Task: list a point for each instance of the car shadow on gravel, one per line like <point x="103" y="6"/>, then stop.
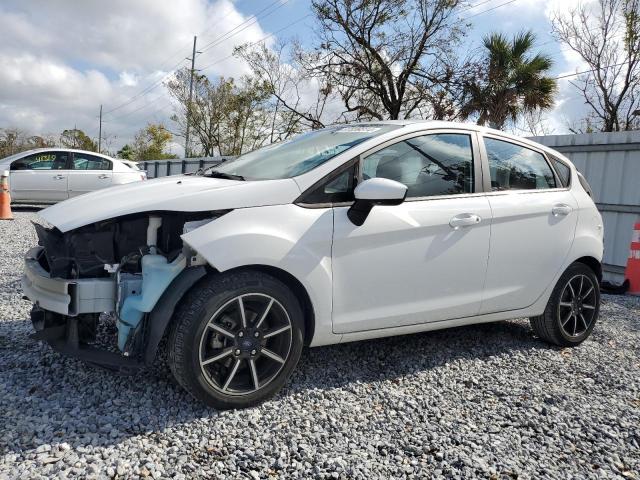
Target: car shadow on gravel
<point x="27" y="208"/>
<point x="395" y="357"/>
<point x="46" y="398"/>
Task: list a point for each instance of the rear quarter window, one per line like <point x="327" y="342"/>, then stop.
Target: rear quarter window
<point x="131" y="165"/>
<point x="562" y="169"/>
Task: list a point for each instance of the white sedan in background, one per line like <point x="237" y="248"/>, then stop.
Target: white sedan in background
<point x="50" y="175"/>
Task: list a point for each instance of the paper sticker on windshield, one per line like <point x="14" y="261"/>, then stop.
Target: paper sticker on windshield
<point x="354" y="129"/>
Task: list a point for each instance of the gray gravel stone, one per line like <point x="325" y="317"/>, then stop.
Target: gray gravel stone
<point x="487" y="401"/>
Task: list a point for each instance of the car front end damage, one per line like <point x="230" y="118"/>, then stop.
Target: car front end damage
<point x="135" y="268"/>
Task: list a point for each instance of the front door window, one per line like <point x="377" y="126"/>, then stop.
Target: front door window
<point x="42" y="161"/>
<point x="429" y="165"/>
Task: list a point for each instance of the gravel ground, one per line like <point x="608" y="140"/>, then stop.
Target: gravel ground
<point x="487" y="401"/>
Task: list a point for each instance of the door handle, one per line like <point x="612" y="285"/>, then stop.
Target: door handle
<point x="103" y="176"/>
<point x="58" y="177"/>
<point x="464" y="220"/>
<point x="561" y="209"/>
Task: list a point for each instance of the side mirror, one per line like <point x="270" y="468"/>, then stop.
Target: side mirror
<point x="375" y="191"/>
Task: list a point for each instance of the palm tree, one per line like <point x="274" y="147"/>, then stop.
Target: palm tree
<point x="510" y="82"/>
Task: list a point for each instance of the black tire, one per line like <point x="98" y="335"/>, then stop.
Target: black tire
<point x="568" y="321"/>
<point x="209" y="307"/>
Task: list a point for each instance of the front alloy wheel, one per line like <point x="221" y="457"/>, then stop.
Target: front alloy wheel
<point x="245" y="344"/>
<point x="236" y="339"/>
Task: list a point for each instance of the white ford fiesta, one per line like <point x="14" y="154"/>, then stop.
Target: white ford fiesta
<point x="50" y="175"/>
<point x="346" y="233"/>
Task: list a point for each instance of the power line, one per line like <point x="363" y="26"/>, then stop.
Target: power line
<point x="471" y="7"/>
<point x="217" y="41"/>
<point x="490" y="9"/>
<point x="167" y="104"/>
<point x="258" y="41"/>
<point x="158" y="109"/>
<point x="142" y="107"/>
<point x="145" y="90"/>
<point x="590" y="71"/>
<point x="159" y="97"/>
<point x="245" y="24"/>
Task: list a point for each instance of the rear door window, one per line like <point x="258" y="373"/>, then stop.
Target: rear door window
<point x="514" y="167"/>
<point x="83" y="161"/>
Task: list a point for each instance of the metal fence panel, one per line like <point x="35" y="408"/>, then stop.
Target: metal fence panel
<point x="163" y="168"/>
<point x="611" y="164"/>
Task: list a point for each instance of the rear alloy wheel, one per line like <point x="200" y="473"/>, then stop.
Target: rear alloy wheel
<point x="236" y="339"/>
<point x="577" y="306"/>
<point x="572" y="310"/>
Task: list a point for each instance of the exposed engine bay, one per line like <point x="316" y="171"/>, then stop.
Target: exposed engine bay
<point x="125" y="264"/>
<point x="84" y="252"/>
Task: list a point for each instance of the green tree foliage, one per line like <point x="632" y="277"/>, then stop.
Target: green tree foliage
<point x="151" y="142"/>
<point x="75" y="138"/>
<point x="226" y="118"/>
<point x="126" y="152"/>
<point x="511" y="81"/>
<point x="14" y="140"/>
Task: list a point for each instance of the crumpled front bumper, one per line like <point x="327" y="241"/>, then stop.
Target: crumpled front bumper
<point x="62" y="307"/>
<point x="69" y="297"/>
<point x="59" y="308"/>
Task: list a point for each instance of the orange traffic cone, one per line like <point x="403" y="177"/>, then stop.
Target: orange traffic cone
<point x="632" y="273"/>
<point x="5" y="198"/>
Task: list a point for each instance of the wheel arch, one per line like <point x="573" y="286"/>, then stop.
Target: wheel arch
<point x="593" y="263"/>
<point x="296" y="287"/>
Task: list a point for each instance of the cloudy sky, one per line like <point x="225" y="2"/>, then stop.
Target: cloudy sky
<point x="59" y="60"/>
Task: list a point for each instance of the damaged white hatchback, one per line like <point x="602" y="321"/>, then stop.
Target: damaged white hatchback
<point x="346" y="233"/>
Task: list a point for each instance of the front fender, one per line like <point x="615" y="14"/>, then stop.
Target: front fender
<point x="291" y="238"/>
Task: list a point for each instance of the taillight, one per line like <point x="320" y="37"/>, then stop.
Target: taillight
<point x="143" y="176"/>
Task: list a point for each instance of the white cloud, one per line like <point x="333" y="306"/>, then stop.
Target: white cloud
<point x="61" y="60"/>
<point x="128" y="79"/>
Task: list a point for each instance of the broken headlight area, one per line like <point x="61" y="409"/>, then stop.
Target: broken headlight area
<point x="121" y="266"/>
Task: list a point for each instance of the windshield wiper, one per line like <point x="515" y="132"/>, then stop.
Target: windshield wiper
<point x="204" y="170"/>
<point x="228" y="176"/>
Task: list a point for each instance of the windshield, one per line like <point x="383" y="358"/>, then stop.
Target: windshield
<point x="300" y="154"/>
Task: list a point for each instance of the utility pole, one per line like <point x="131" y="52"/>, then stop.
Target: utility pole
<point x="100" y="132"/>
<point x="193" y="69"/>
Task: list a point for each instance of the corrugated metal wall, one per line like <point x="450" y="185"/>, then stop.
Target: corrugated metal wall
<point x="611" y="164"/>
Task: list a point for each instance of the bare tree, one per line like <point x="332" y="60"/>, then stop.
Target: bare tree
<point x="387" y="58"/>
<point x="297" y="102"/>
<point x="534" y="123"/>
<point x="607" y="38"/>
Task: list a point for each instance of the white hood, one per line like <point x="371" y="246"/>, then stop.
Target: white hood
<point x="183" y="193"/>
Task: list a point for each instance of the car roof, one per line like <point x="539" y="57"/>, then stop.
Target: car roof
<point x="55" y="149"/>
<point x="417" y="125"/>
